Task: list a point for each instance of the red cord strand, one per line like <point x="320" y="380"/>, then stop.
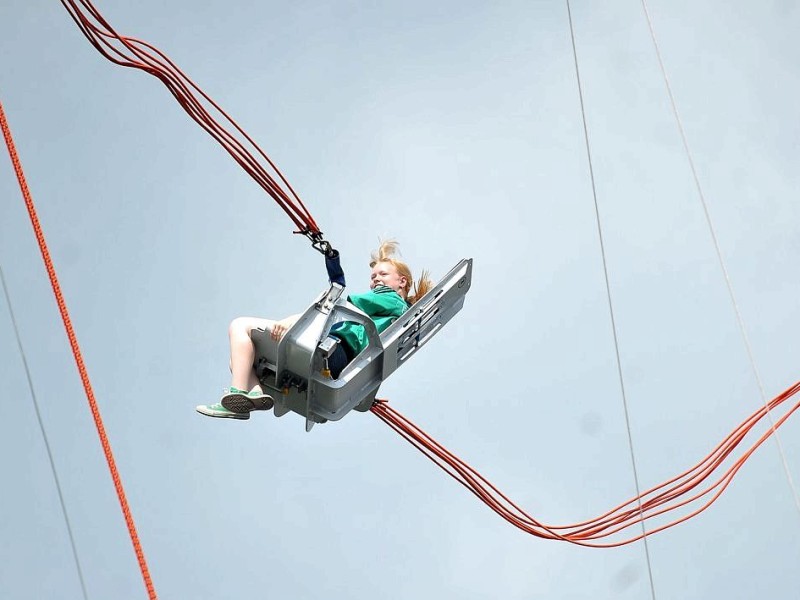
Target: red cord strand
<point x="76" y="352"/>
<point x="679" y="492"/>
<point x="130" y="52"/>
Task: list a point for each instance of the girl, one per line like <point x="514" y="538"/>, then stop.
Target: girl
<point x="389" y="297"/>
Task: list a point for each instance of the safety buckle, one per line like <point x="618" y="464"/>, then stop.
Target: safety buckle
<point x="318" y="243"/>
<point x="322" y="246"/>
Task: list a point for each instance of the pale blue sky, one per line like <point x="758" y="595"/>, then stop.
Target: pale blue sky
<point x="454" y="127"/>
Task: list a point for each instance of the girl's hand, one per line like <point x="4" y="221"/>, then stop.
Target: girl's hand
<point x="278" y="331"/>
<point x="281" y="327"/>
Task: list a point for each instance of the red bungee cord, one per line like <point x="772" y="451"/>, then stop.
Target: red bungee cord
<point x="76" y="352"/>
<point x="678" y="492"/>
<point x="137" y="54"/>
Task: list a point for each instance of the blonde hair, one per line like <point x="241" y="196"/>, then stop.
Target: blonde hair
<point x="387" y="252"/>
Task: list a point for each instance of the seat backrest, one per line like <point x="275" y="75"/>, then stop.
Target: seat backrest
<point x="426" y="317"/>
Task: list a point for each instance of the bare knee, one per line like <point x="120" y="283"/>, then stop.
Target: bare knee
<point x="239" y="327"/>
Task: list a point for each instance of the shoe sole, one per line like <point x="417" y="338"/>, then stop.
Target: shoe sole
<point x="211" y="413"/>
<point x="243" y="404"/>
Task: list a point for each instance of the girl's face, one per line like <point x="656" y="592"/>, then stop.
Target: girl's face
<point x="385" y="273"/>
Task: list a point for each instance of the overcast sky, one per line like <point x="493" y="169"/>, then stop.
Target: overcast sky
<point x="456" y="128"/>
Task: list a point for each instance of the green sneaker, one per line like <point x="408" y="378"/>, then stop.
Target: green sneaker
<point x="219" y="411"/>
<point x="241" y="402"/>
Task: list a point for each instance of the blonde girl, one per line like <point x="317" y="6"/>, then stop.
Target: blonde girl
<point x="392" y="289"/>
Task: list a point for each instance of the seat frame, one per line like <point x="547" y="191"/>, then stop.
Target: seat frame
<point x="299" y="381"/>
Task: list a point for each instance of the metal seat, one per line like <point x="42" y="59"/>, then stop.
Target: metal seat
<point x="300" y="382"/>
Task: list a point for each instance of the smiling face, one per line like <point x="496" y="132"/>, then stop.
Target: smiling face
<point x="385" y="273"/>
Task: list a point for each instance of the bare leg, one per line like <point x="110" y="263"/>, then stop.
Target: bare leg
<point x="238" y="405"/>
<point x="243" y="375"/>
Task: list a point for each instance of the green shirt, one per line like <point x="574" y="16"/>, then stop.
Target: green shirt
<point x="383" y="305"/>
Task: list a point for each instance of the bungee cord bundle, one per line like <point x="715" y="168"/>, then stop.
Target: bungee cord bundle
<point x="130" y="52"/>
<point x="682" y="491"/>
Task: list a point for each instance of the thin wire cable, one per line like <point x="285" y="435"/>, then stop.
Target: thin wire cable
<point x="610" y="302"/>
<point x="76" y="353"/>
<point x="717" y="248"/>
<point x="44" y="435"/>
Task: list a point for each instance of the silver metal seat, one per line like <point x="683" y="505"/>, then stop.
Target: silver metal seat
<point x="300" y="383"/>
